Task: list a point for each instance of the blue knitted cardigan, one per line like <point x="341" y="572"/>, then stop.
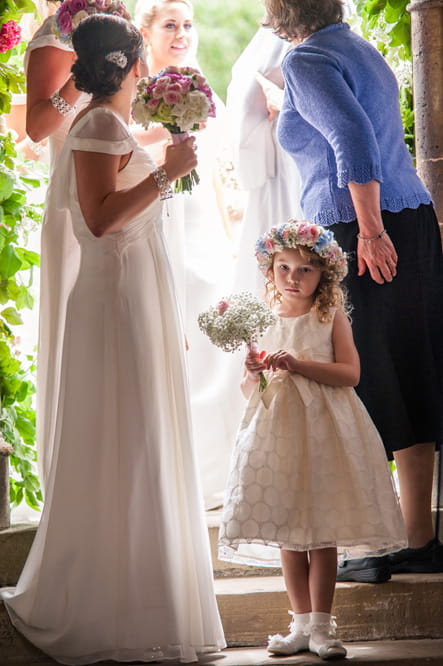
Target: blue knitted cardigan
<point x="341" y="122"/>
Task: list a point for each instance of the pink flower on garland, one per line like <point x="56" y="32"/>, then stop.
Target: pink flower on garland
<point x="10" y="36"/>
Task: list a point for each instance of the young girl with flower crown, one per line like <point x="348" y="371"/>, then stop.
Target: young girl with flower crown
<point x="309" y="473"/>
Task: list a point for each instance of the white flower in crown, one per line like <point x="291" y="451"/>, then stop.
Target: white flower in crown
<point x="118" y="58"/>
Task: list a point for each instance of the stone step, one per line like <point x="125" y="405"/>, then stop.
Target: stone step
<point x="407" y="607"/>
<point x="423" y="652"/>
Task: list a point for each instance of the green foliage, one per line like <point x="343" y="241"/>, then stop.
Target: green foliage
<point x="225" y="27"/>
<point x="17" y="263"/>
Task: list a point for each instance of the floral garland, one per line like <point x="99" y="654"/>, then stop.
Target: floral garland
<point x="71" y="12"/>
<point x="294" y="234"/>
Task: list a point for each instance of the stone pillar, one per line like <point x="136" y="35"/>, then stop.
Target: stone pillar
<point x="427" y="62"/>
<point x="5" y="515"/>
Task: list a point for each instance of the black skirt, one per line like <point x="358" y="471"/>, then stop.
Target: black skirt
<point x="398" y="330"/>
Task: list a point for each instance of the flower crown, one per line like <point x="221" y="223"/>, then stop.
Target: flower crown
<point x="294" y="234"/>
<point x="72" y="12"/>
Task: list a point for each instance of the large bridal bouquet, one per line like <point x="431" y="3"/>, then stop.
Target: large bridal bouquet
<point x="180" y="99"/>
<point x="71" y="12"/>
<point x="239" y="319"/>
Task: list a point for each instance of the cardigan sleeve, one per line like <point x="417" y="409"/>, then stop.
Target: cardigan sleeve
<point x="317" y="89"/>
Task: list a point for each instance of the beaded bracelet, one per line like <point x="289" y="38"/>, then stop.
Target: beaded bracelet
<point x="61" y="105"/>
<point x="374" y="238"/>
<point x="162" y="181"/>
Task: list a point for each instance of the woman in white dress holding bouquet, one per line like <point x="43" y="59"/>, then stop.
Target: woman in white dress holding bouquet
<point x="120" y="566"/>
<point x="193" y="226"/>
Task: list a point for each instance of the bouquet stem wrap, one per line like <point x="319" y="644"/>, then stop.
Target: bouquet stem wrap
<point x="253" y="347"/>
<point x="185" y="183"/>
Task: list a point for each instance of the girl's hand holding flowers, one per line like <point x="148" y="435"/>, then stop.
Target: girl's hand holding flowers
<point x="180" y="99"/>
<point x="281" y="360"/>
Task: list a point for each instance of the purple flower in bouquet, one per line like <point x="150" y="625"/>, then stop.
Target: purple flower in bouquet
<point x="10" y="35"/>
<point x="180" y="99"/>
<point x="71" y="12"/>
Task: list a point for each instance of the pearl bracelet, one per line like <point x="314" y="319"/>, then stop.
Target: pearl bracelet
<point x="162" y="181"/>
<point x="374" y="238"/>
<point x="61" y="105"/>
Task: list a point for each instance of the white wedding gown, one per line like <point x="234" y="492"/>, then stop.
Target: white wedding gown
<point x="120" y="566"/>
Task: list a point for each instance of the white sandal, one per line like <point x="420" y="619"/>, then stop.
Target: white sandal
<point x="322" y="639"/>
<point x="296" y="641"/>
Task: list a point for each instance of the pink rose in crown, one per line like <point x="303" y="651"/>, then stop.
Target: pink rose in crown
<point x="222" y="306"/>
<point x="78" y="6"/>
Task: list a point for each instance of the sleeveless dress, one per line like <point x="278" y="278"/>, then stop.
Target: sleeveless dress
<point x="120" y="566"/>
<point x="60" y="258"/>
<point x="309" y="469"/>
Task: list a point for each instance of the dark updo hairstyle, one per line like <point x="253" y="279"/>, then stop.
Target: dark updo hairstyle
<point x="297" y="19"/>
<point x="93" y="39"/>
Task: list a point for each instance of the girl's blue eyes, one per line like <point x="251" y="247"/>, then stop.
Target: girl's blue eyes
<point x="303" y="269"/>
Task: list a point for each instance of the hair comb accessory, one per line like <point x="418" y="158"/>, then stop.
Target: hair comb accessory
<point x="294" y="234"/>
<point x="118" y="58"/>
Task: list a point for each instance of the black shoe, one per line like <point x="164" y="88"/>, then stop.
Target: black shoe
<point x="427" y="559"/>
<point x="366" y="570"/>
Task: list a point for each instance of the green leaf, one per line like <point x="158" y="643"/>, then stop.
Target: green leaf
<point x="7" y="182"/>
<point x="10" y="262"/>
<point x="12" y="316"/>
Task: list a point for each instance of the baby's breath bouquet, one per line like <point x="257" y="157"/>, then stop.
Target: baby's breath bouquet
<point x="239" y="319"/>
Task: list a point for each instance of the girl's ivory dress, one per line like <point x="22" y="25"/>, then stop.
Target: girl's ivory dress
<point x="309" y="469"/>
<point x="120" y="566"/>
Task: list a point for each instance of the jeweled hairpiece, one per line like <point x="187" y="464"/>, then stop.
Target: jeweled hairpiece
<point x="294" y="234"/>
<point x="118" y="58"/>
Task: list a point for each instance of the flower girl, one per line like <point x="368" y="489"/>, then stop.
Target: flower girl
<point x="309" y="473"/>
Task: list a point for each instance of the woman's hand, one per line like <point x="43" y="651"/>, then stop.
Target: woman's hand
<point x="280" y="360"/>
<point x="376" y="253"/>
<point x="180" y="158"/>
<point x="273" y="94"/>
<point x="379" y="257"/>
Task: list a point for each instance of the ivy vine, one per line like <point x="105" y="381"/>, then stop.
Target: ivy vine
<point x="17" y="265"/>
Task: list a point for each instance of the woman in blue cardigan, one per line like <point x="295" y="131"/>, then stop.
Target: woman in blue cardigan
<point x="341" y="123"/>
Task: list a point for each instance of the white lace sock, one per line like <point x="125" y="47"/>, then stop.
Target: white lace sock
<point x="322" y="639"/>
<point x="298" y="638"/>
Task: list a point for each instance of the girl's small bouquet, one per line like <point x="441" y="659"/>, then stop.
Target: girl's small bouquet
<point x="180" y="99"/>
<point x="71" y="12"/>
<point x="239" y="319"/>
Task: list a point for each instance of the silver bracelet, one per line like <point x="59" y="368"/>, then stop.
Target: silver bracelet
<point x="61" y="105"/>
<point x="162" y="181"/>
<point x="374" y="238"/>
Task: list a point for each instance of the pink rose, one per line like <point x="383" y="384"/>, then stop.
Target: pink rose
<point x="78" y="6"/>
<point x="222" y="306"/>
<point x="172" y="97"/>
<point x="64" y="20"/>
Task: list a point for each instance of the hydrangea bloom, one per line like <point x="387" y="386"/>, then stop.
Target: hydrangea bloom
<point x="10" y="36"/>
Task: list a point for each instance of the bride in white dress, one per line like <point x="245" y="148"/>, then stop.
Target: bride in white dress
<point x="120" y="567"/>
